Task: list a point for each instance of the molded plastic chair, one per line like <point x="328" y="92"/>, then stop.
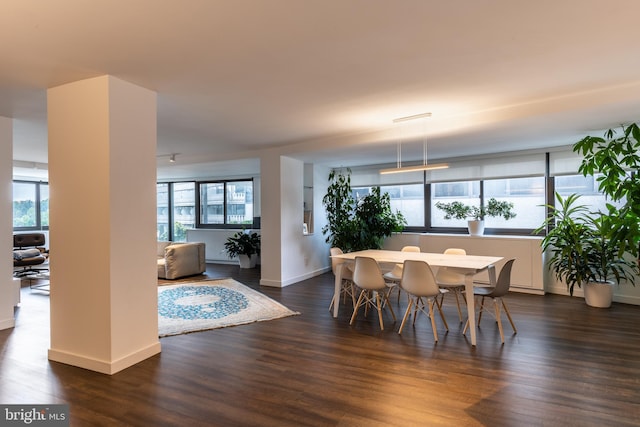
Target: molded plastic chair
<point x="451" y="281"/>
<point x="347" y="287"/>
<point x="374" y="291"/>
<point x="496" y="294"/>
<point x="419" y="283"/>
<point x="395" y="275"/>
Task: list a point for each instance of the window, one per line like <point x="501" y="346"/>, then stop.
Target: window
<point x="184" y="202"/>
<point x="467" y="192"/>
<point x="163" y="230"/>
<point x="225" y="203"/>
<point x="405" y="198"/>
<point x="30" y="205"/>
<point x="587" y="188"/>
<point x="527" y="196"/>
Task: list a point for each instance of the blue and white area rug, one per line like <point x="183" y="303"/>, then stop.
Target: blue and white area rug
<point x="198" y="306"/>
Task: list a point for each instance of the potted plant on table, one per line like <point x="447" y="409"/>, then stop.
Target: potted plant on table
<point x="475" y="214"/>
<point x="582" y="250"/>
<point x="244" y="245"/>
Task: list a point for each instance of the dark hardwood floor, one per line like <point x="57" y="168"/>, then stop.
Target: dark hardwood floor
<point x="569" y="365"/>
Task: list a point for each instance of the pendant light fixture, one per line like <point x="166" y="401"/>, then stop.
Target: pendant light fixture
<point x="424" y="166"/>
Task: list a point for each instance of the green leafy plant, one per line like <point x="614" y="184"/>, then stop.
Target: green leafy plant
<point x="494" y="208"/>
<point x="581" y="246"/>
<point x="357" y="224"/>
<point x="242" y="243"/>
<point x="617" y="159"/>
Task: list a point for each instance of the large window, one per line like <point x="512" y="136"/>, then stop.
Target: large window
<point x="407" y="199"/>
<point x="175" y="210"/>
<point x="30" y="205"/>
<point x="527" y="196"/>
<point x="184" y="207"/>
<point x="587" y="188"/>
<point x="467" y="192"/>
<point x="163" y="229"/>
<point x="225" y="203"/>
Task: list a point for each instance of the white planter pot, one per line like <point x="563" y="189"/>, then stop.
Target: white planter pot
<point x="598" y="294"/>
<point x="247" y="261"/>
<point x="476" y="227"/>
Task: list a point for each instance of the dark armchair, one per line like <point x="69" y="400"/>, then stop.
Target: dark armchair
<point x="28" y="252"/>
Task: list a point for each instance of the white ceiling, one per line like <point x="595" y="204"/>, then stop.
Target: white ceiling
<point x="322" y="80"/>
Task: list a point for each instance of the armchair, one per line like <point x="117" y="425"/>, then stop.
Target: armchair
<point x="177" y="260"/>
<point x="28" y="251"/>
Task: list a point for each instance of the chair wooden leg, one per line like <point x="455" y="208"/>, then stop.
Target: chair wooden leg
<point x="355" y="309"/>
<point x="435" y="302"/>
<point x="433" y="321"/>
<point x="506" y="310"/>
<point x="480" y="313"/>
<point x="496" y="306"/>
<point x="455" y="293"/>
<point x="379" y="307"/>
<point x="416" y="309"/>
<point x="406" y="315"/>
<point x="388" y="304"/>
<point x="466" y="326"/>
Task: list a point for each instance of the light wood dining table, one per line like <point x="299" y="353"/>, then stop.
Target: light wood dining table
<point x="468" y="265"/>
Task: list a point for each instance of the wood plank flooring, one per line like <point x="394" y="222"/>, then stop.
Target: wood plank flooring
<point x="569" y="365"/>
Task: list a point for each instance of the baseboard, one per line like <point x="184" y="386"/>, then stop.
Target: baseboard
<point x="104" y="366"/>
<point x="291" y="281"/>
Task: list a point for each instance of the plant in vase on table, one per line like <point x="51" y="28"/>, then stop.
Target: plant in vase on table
<point x="475" y="214"/>
<point x="246" y="246"/>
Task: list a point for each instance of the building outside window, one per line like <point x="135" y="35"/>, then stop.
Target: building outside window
<point x="226" y="203"/>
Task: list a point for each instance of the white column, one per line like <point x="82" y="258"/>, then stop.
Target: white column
<point x="102" y="177"/>
<point x="6" y="224"/>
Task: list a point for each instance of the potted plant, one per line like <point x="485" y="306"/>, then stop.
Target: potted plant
<point x="581" y="249"/>
<point x="614" y="157"/>
<point x="244" y="245"/>
<point x="475" y="214"/>
<point x="357" y="224"/>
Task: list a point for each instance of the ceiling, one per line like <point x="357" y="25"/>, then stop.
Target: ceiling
<point x="322" y="80"/>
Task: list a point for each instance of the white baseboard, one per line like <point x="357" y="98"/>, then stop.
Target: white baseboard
<point x="104" y="366"/>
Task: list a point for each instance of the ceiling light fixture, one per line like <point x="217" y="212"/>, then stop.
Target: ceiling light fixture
<point x="172" y="158"/>
<point x="423" y="167"/>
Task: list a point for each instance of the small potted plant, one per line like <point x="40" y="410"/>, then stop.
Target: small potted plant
<point x="244" y="245"/>
<point x="476" y="214"/>
<point x="581" y="250"/>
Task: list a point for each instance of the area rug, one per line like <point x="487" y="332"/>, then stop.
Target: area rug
<point x="212" y="304"/>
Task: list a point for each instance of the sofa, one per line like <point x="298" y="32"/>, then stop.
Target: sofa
<point x="180" y="259"/>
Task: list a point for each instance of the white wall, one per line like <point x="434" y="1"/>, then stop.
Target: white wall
<point x="6" y="224"/>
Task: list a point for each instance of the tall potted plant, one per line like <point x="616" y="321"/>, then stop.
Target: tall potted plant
<point x="475" y="214"/>
<point x="245" y="246"/>
<point x="357" y="224"/>
<point x="616" y="157"/>
<point x="582" y="249"/>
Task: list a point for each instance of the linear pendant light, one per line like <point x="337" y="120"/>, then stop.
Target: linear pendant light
<point x="423" y="167"/>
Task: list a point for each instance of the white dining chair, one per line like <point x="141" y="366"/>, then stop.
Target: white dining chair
<point x="346" y="287"/>
<point x="496" y="294"/>
<point x="452" y="282"/>
<point x="374" y="291"/>
<point x="394" y="276"/>
<point x="420" y="285"/>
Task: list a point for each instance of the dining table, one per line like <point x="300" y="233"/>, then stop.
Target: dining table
<point x="467" y="265"/>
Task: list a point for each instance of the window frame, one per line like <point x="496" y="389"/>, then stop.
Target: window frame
<point x="225" y="225"/>
<point x="37" y="206"/>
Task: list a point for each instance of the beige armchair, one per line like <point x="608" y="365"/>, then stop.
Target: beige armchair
<point x="177" y="260"/>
